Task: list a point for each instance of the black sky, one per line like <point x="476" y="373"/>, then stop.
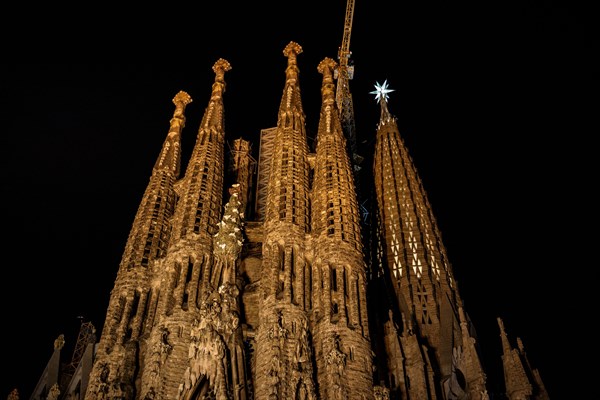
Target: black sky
<point x="488" y="100"/>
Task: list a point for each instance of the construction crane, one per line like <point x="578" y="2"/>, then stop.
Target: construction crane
<point x="344" y="73"/>
<point x="87" y="335"/>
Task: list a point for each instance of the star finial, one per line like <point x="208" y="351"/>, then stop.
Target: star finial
<point x="381" y="91"/>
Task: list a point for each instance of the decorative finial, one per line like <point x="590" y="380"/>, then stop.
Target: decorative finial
<point x="292" y="50"/>
<point x="381" y="91"/>
<point x="59" y="342"/>
<point x="326" y="67"/>
<point x="220" y="67"/>
<point x="181" y="100"/>
<point x="14" y="395"/>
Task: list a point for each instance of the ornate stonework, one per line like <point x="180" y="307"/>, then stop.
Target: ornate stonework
<point x="210" y="305"/>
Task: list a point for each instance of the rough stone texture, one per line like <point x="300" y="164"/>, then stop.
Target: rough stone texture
<point x="209" y="304"/>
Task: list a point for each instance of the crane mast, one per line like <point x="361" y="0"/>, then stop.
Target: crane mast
<point x="344" y="73"/>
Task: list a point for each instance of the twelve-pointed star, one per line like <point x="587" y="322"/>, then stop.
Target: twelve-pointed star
<point x="381" y="91"/>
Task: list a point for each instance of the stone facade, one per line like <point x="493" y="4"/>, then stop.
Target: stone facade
<point x="209" y="304"/>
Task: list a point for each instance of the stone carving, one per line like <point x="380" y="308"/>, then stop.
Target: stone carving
<point x="302" y="353"/>
<point x="336" y="356"/>
<point x="207" y="354"/>
<point x="307" y="218"/>
<point x="278" y="331"/>
<point x="336" y="362"/>
<point x="274" y="370"/>
<point x="454" y="385"/>
<point x="229" y="239"/>
<point x="54" y="392"/>
<point x="99" y="384"/>
<point x="161" y="349"/>
<point x="381" y="393"/>
<point x="150" y="394"/>
<point x="59" y="342"/>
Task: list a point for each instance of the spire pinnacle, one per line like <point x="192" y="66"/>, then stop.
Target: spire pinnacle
<point x="181" y="100"/>
<point x="381" y="94"/>
<point x="381" y="91"/>
<point x="326" y="67"/>
<point x="220" y="67"/>
<point x="291" y="51"/>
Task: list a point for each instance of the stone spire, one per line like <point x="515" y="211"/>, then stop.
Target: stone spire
<point x="287" y="198"/>
<point x="340" y="304"/>
<point x="412" y="252"/>
<point x="518" y="372"/>
<point x="112" y="373"/>
<point x="183" y="279"/>
<point x="150" y="227"/>
<point x="201" y="191"/>
<point x="283" y="360"/>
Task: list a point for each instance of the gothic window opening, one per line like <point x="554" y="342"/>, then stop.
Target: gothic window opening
<point x="281" y="258"/>
<point x="292" y="274"/>
<point x="282" y="202"/>
<point x="131" y="317"/>
<point x="186" y="289"/>
<point x="294" y="203"/>
<point x="198" y="219"/>
<point x="334" y="312"/>
<point x="309" y="283"/>
<point x="333" y="280"/>
<point x="201" y="270"/>
<point x="176" y="275"/>
<point x="358" y="301"/>
<point x="330" y="218"/>
<point x="146" y="310"/>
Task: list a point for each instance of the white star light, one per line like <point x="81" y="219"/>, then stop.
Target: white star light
<point x="381" y="91"/>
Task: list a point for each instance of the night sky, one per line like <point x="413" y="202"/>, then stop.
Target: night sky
<point x="489" y="101"/>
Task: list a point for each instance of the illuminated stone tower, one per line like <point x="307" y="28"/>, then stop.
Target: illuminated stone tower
<point x="130" y="312"/>
<point x="341" y="333"/>
<point x="187" y="276"/>
<point x="211" y="304"/>
<point x="283" y="363"/>
<point x="426" y="340"/>
<point x="167" y="271"/>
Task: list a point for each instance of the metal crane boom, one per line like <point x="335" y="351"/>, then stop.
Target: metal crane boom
<point x="345" y="72"/>
<point x="344" y="51"/>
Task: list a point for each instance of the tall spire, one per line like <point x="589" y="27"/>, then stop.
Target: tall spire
<point x="335" y="209"/>
<point x="283" y="362"/>
<point x="414" y="250"/>
<point x="200" y="201"/>
<point x="288" y="190"/>
<point x="520" y="380"/>
<point x="186" y="277"/>
<point x="147" y="243"/>
<point x="146" y="239"/>
<point x="340" y="304"/>
<point x="412" y="253"/>
<point x="515" y="377"/>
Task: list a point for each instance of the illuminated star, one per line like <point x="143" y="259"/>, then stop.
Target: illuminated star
<point x="381" y="91"/>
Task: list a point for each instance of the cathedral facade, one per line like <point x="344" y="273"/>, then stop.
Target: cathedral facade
<point x="292" y="303"/>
